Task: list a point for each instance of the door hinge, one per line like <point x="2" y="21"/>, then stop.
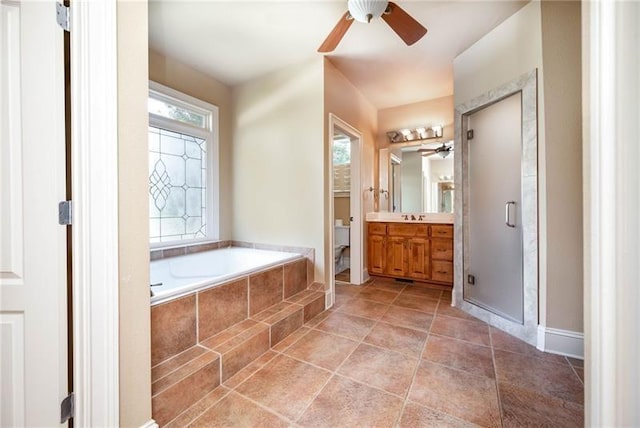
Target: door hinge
<point x="65" y="213"/>
<point x="63" y="16"/>
<point x="471" y="279"/>
<point x="470" y="134"/>
<point x="67" y="408"/>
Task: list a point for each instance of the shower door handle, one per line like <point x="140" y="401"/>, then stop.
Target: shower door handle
<point x="507" y="214"/>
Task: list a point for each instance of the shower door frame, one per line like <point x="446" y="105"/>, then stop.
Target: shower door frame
<point x="527" y="84"/>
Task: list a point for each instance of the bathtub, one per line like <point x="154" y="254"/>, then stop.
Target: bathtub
<point x="183" y="275"/>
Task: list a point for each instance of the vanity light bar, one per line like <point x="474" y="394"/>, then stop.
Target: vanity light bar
<point x="416" y="134"/>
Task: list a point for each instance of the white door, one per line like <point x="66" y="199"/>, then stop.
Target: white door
<point x="495" y="210"/>
<point x="33" y="320"/>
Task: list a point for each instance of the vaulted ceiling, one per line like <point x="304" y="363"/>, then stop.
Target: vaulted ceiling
<point x="235" y="41"/>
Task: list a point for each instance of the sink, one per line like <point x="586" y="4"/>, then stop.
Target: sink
<point x="399" y="217"/>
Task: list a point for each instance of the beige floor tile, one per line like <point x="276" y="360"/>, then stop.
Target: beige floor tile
<point x="419" y="303"/>
<point x="322" y="349"/>
<point x="387" y="284"/>
<point x="199" y="408"/>
<point x="409" y="318"/>
<point x="349" y="326"/>
<point x="536" y="374"/>
<point x="475" y="359"/>
<point x="445" y="308"/>
<point x="457" y="393"/>
<point x="236" y="411"/>
<point x="378" y="295"/>
<point x="285" y="385"/>
<point x="506" y="342"/>
<point x="415" y="290"/>
<point x="399" y="339"/>
<point x="525" y="408"/>
<point x="345" y="403"/>
<point x="471" y="331"/>
<point x="381" y="368"/>
<point x="415" y="416"/>
<point x="363" y="308"/>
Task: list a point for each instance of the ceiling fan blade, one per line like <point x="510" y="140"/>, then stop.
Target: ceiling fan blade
<point x="334" y="37"/>
<point x="409" y="30"/>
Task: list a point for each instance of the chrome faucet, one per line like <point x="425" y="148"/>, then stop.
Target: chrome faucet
<point x="420" y="218"/>
<point x="406" y="217"/>
<point x="413" y="217"/>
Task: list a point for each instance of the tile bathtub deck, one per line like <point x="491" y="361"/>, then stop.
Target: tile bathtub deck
<point x="389" y="354"/>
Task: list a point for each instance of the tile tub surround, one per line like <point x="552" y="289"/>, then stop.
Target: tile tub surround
<point x="203" y="339"/>
<point x="338" y="370"/>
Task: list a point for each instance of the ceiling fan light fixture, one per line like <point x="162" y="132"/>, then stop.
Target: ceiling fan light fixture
<point x="365" y="10"/>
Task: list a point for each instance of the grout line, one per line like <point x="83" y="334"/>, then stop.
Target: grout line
<point x="334" y="373"/>
<point x="415" y="371"/>
<point x="196" y="403"/>
<point x="197" y="318"/>
<point x="576" y="373"/>
<point x="262" y="406"/>
<point x="495" y="373"/>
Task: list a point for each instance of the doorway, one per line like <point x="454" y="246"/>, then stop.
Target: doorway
<point x="496" y="210"/>
<point x="345" y="205"/>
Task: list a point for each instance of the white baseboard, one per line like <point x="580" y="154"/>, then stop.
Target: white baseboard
<point x="150" y="424"/>
<point x="562" y="342"/>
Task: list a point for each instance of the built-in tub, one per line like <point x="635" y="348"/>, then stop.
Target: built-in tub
<point x="187" y="274"/>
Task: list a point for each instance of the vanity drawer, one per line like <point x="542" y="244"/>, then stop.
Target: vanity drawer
<point x="409" y="230"/>
<point x="442" y="249"/>
<point x="377" y="228"/>
<point x="442" y="231"/>
<point x="442" y="271"/>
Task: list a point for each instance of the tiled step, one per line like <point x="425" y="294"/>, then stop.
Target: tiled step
<point x="179" y="382"/>
<point x="311" y="301"/>
<point x="283" y="319"/>
<point x="239" y="345"/>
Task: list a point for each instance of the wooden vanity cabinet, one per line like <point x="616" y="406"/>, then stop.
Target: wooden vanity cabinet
<point x="417" y="251"/>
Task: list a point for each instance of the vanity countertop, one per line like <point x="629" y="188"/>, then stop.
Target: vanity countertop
<point x="445" y="218"/>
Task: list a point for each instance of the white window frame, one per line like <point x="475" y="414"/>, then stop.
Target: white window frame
<point x="210" y="134"/>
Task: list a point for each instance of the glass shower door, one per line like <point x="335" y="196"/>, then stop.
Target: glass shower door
<point x="494" y="278"/>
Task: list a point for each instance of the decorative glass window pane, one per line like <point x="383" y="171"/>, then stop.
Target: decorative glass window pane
<point x="181" y="114"/>
<point x="177" y="186"/>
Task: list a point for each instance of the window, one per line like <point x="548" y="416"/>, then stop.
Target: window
<point x="183" y="168"/>
<point x="342" y="167"/>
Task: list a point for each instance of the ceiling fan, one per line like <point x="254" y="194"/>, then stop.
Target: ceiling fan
<point x="409" y="30"/>
<point x="443" y="150"/>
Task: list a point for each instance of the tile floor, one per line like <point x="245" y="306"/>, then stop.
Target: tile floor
<point x="390" y="354"/>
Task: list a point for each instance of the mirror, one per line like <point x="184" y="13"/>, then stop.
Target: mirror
<point x="419" y="178"/>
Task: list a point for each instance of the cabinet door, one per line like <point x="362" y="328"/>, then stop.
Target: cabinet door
<point x="419" y="258"/>
<point x="377" y="254"/>
<point x="397" y="263"/>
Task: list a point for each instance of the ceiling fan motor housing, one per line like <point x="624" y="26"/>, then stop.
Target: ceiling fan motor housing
<point x="365" y="10"/>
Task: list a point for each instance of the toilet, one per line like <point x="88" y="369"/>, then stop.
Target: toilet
<point x="341" y="241"/>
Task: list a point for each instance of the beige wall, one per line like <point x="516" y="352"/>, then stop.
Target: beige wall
<point x="342" y="210"/>
<point x="169" y="72"/>
<point x="563" y="135"/>
<point x="345" y="101"/>
<point x="438" y="111"/>
<point x="278" y="159"/>
<point x="133" y="218"/>
<point x="510" y="50"/>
